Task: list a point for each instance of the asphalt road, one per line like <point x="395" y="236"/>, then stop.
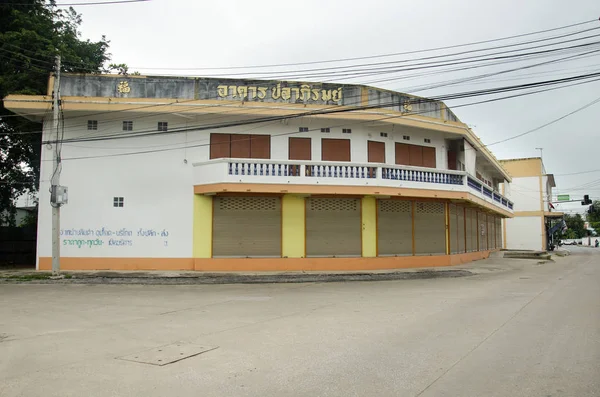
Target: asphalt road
<point x="520" y="328"/>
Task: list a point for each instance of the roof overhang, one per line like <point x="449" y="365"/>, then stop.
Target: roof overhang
<point x="35" y="107"/>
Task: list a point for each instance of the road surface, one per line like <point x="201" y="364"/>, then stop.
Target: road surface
<point x="519" y="329"/>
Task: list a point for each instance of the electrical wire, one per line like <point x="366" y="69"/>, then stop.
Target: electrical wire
<point x="321" y="112"/>
<point x="383" y="105"/>
<point x="95" y="3"/>
<point x="94" y="67"/>
<point x="578" y="173"/>
<point x="200" y="145"/>
<point x="595" y="101"/>
<point x="40" y="60"/>
<point x="377" y="56"/>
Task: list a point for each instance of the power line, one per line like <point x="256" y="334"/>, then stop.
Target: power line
<point x="578" y="173"/>
<point x="200" y="145"/>
<point x="339" y="68"/>
<point x="472" y="78"/>
<point x="547" y="124"/>
<point x="380" y="105"/>
<point x="95" y="3"/>
<point x="380" y="55"/>
<point x="335" y="110"/>
<point x="359" y="71"/>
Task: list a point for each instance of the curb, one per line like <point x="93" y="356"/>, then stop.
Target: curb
<point x="245" y="279"/>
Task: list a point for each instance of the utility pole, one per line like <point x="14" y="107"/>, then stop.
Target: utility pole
<point x="55" y="181"/>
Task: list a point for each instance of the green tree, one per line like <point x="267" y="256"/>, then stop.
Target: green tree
<point x="32" y="33"/>
<point x="575" y="225"/>
<point x="593" y="216"/>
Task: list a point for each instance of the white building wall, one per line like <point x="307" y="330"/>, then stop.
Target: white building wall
<point x="157" y="186"/>
<point x="524" y="233"/>
<point x="525" y="193"/>
<point x="470" y="157"/>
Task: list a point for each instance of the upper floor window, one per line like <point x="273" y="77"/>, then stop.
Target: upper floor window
<point x="92" y="124"/>
<point x="346" y="131"/>
<point x="240" y="146"/>
<point x="383" y="134"/>
<point x="118" y="201"/>
<point x="406" y="137"/>
<point x="325" y="130"/>
<point x="419" y="156"/>
<point x="163" y="126"/>
<point x="427" y="140"/>
<point x="335" y="149"/>
<point x="127" y="125"/>
<point x="303" y="129"/>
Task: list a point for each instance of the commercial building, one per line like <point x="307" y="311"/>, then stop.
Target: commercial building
<point x="531" y="191"/>
<point x="248" y="175"/>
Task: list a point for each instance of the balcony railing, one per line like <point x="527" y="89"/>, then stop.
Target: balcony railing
<point x="338" y="173"/>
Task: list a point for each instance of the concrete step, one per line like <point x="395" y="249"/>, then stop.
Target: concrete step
<point x="527" y="254"/>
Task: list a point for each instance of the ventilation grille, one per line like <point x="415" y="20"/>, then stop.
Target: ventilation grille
<point x="340" y="205"/>
<point x="394" y="206"/>
<point x="430" y="208"/>
<point x="248" y="203"/>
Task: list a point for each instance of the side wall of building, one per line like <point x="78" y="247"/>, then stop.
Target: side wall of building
<point x="524" y="233"/>
<point x="156" y="185"/>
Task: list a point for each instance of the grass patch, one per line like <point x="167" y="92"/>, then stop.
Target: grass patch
<point x="33" y="277"/>
<point x="28" y="277"/>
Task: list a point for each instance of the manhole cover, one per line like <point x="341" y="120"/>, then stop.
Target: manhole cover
<point x="168" y="354"/>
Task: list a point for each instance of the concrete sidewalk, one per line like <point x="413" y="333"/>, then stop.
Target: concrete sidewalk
<point x="495" y="263"/>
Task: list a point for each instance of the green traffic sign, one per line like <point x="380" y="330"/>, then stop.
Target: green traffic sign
<point x="564" y="197"/>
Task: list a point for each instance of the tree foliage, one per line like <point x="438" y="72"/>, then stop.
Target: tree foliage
<point x="32" y="33"/>
<point x="575" y="224"/>
<point x="593" y="216"/>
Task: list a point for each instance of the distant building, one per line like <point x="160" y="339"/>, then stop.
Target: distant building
<point x="243" y="175"/>
<point x="534" y="215"/>
<point x="25" y="204"/>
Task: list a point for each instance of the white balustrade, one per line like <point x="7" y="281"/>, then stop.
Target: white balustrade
<point x="338" y="173"/>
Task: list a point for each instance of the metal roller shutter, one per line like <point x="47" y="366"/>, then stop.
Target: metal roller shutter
<point x="474" y="230"/>
<point x="469" y="231"/>
<point x="482" y="231"/>
<point x="453" y="228"/>
<point x="394" y="227"/>
<point x="499" y="233"/>
<point x="491" y="232"/>
<point x="333" y="227"/>
<point x="460" y="216"/>
<point x="247" y="227"/>
<point x="430" y="228"/>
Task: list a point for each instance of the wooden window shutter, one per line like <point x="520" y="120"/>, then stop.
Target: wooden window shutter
<point x="429" y="157"/>
<point x="402" y="157"/>
<point x="376" y="152"/>
<point x="415" y="154"/>
<point x="335" y="149"/>
<point x="240" y="146"/>
<point x="260" y="146"/>
<point x="299" y="149"/>
<point x="220" y="146"/>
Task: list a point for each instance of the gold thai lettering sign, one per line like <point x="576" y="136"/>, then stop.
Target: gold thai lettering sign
<point x="303" y="93"/>
<point x="123" y="87"/>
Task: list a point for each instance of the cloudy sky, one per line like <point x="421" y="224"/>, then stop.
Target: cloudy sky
<point x="167" y="36"/>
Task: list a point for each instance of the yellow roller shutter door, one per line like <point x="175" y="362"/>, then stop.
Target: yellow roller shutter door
<point x="333" y="227"/>
<point x="394" y="227"/>
<point x="430" y="228"/>
<point x="247" y="227"/>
